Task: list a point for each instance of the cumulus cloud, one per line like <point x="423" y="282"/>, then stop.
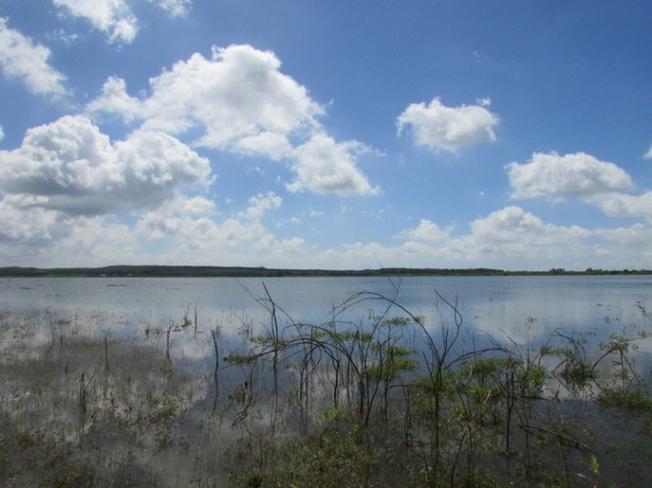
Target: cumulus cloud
<point x="114" y="99"/>
<point x="240" y="240"/>
<point x="115" y="18"/>
<point x="25" y="227"/>
<point x="627" y="247"/>
<point x="112" y="17"/>
<point x="507" y="238"/>
<point x="514" y="230"/>
<point x="505" y="224"/>
<point x="426" y="231"/>
<point x="269" y="144"/>
<point x="45" y="237"/>
<point x="438" y="127"/>
<point x="174" y="217"/>
<point x="196" y="206"/>
<point x="621" y="205"/>
<point x="559" y="177"/>
<point x="238" y="98"/>
<point x="239" y="101"/>
<point x="184" y="229"/>
<point x="24" y="60"/>
<point x="326" y="166"/>
<point x="261" y="203"/>
<point x="628" y="236"/>
<point x="582" y="176"/>
<point x="69" y="165"/>
<point x="90" y="240"/>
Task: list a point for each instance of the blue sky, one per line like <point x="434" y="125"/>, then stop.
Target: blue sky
<point x="514" y="134"/>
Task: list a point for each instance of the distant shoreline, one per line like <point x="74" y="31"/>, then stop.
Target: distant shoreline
<point x="145" y="271"/>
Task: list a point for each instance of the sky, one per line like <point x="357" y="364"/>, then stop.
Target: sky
<point x="282" y="133"/>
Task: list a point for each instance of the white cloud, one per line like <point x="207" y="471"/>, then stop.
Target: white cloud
<point x="115" y="18"/>
<point x="648" y="154"/>
<point x="193" y="206"/>
<point x="505" y="224"/>
<point x="559" y="177"/>
<point x="22" y="59"/>
<point x="238" y="98"/>
<point x="112" y="17"/>
<point x="626" y="247"/>
<point x="426" y="231"/>
<point x="261" y="203"/>
<point x="269" y="144"/>
<point x="175" y="8"/>
<point x="24" y="227"/>
<point x="69" y="165"/>
<point x="635" y="235"/>
<point x="507" y="238"/>
<point x="45" y="237"/>
<point x="514" y="230"/>
<point x="90" y="240"/>
<point x="239" y="101"/>
<point x="438" y="127"/>
<point x="2" y="133"/>
<point x="233" y="241"/>
<point x="326" y="166"/>
<point x="621" y="205"/>
<point x="186" y="230"/>
<point x="579" y="175"/>
<point x="174" y="217"/>
<point x="114" y="98"/>
<point x="182" y="230"/>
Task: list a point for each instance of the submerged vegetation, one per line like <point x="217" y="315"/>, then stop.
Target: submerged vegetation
<point x="375" y="396"/>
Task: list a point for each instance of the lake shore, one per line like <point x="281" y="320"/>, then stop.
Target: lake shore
<point x="262" y="272"/>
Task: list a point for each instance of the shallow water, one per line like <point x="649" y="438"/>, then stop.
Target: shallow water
<point x="46" y="323"/>
<point x="519" y="307"/>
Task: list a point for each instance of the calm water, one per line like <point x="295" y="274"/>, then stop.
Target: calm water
<point x="523" y="309"/>
<point x="38" y="315"/>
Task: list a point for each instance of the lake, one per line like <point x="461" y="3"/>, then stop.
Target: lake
<point x="128" y="377"/>
<point x="522" y="309"/>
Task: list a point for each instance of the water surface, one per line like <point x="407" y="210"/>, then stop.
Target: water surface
<point x="509" y="308"/>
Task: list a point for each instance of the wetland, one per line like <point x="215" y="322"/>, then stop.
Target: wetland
<point x="326" y="381"/>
